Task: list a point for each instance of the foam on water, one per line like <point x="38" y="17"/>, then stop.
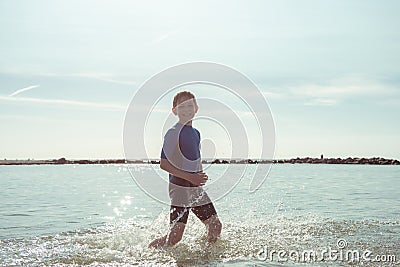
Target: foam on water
<point x="125" y="242"/>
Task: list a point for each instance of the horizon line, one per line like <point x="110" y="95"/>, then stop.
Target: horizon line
<point x="206" y="159"/>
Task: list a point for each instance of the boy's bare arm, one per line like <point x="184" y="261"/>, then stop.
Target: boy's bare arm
<point x="199" y="178"/>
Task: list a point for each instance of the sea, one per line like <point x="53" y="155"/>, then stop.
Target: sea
<point x="301" y="215"/>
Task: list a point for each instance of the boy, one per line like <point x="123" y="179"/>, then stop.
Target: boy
<point x="180" y="157"/>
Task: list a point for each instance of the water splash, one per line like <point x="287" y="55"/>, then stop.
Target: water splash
<point x="125" y="242"/>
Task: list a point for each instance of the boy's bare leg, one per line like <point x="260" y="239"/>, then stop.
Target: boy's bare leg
<point x="176" y="233"/>
<point x="214" y="226"/>
<point x="174" y="236"/>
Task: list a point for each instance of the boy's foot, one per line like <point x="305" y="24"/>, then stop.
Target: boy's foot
<point x="158" y="243"/>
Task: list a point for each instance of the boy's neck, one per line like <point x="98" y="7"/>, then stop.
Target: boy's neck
<point x="187" y="123"/>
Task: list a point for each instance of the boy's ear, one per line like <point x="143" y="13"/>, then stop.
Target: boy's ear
<point x="174" y="111"/>
<point x="196" y="108"/>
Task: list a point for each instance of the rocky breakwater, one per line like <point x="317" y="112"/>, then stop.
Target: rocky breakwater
<point x="308" y="160"/>
<point x="349" y="160"/>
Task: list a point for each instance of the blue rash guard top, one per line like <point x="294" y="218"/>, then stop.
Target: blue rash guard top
<point x="182" y="149"/>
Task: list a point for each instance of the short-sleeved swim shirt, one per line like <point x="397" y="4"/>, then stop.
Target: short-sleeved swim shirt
<point x="182" y="149"/>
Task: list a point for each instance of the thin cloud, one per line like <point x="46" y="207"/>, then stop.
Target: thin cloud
<point x="65" y="102"/>
<point x="269" y="95"/>
<point x="98" y="76"/>
<point x="336" y="91"/>
<point x="343" y="88"/>
<point x="165" y="36"/>
<point x="321" y="102"/>
<point x="24" y="90"/>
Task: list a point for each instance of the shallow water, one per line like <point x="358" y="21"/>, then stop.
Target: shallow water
<point x="96" y="215"/>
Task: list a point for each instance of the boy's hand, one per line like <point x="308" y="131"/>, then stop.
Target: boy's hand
<point x="199" y="178"/>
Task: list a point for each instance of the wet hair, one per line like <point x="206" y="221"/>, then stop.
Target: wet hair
<point x="183" y="95"/>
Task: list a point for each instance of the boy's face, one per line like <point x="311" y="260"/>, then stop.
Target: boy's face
<point x="186" y="109"/>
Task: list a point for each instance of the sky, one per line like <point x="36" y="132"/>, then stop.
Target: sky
<point x="329" y="70"/>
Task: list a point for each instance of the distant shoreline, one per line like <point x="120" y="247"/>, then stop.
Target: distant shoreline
<point x="307" y="160"/>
